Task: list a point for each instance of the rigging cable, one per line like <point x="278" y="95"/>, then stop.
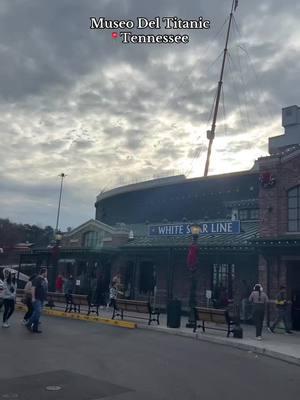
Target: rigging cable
<point x="170" y="98"/>
<point x="270" y="113"/>
<point x="236" y="91"/>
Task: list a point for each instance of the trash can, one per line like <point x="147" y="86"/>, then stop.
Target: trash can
<point x="174" y="314"/>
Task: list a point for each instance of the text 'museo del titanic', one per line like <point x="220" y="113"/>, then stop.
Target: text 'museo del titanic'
<point x="125" y="28"/>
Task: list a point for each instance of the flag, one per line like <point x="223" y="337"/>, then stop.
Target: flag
<point x="192" y="258"/>
<point x="236" y="4"/>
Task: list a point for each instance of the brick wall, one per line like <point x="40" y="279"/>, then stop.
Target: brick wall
<point x="273" y="201"/>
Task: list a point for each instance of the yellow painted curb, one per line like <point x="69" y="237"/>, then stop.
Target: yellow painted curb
<point x="19" y="307"/>
<point x="80" y="317"/>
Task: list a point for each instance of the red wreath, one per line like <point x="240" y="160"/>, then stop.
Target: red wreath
<point x="192" y="258"/>
<point x="266" y="179"/>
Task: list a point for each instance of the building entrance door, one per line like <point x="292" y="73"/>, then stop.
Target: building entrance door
<point x="294" y="290"/>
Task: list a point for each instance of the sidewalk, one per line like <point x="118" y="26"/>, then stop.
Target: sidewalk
<point x="279" y="345"/>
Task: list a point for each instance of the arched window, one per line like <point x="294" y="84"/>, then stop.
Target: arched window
<point x="294" y="209"/>
<point x="92" y="239"/>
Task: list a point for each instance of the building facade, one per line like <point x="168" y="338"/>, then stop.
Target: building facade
<point x="279" y="242"/>
<point x="264" y="200"/>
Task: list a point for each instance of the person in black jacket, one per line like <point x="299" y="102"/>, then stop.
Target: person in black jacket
<point x="282" y="310"/>
<point x="39" y="295"/>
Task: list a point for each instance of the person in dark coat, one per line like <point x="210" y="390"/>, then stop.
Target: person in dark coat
<point x="282" y="310"/>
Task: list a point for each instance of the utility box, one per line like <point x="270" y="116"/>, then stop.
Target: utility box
<point x="174" y="314"/>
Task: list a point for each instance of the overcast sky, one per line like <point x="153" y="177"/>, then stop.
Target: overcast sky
<point x="74" y="100"/>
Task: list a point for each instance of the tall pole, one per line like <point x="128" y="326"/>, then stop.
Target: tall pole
<point x="62" y="176"/>
<point x="211" y="133"/>
<point x="193" y="263"/>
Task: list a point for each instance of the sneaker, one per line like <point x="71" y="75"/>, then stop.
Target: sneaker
<point x="5" y="325"/>
<point x="258" y="337"/>
<point x="36" y="331"/>
<point x="28" y="327"/>
<point x="290" y="332"/>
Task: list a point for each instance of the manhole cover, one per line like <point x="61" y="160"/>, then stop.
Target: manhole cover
<point x="10" y="396"/>
<point x="53" y="388"/>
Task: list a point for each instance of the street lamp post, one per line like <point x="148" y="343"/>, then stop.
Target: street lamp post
<point x="55" y="254"/>
<point x="62" y="176"/>
<point x="192" y="263"/>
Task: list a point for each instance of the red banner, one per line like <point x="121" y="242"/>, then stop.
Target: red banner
<point x="192" y="258"/>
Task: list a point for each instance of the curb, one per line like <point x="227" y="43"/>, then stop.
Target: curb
<point x="80" y="317"/>
<point x="225" y="342"/>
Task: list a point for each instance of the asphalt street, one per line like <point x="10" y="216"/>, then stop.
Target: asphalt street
<point x="87" y="361"/>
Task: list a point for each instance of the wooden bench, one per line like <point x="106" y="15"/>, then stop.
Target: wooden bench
<point x="78" y="300"/>
<point x="55" y="297"/>
<point x="141" y="307"/>
<point x="213" y="315"/>
<point x="52" y="298"/>
<point x="70" y="302"/>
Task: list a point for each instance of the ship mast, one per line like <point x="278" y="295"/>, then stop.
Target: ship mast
<point x="211" y="133"/>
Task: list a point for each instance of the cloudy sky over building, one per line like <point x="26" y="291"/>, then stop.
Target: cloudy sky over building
<point x="77" y="101"/>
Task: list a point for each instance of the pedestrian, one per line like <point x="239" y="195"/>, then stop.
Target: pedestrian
<point x="99" y="292"/>
<point x="245" y="293"/>
<point x="69" y="285"/>
<point x="259" y="300"/>
<point x="69" y="288"/>
<point x="1" y="292"/>
<point x="117" y="280"/>
<point x="59" y="283"/>
<point x="9" y="296"/>
<point x="39" y="295"/>
<point x="27" y="300"/>
<point x="282" y="310"/>
<point x="113" y="294"/>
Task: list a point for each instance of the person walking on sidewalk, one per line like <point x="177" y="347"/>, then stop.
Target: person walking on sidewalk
<point x="113" y="294"/>
<point x="259" y="300"/>
<point x="9" y="296"/>
<point x="28" y="299"/>
<point x="39" y="295"/>
<point x="282" y="310"/>
<point x="1" y="291"/>
<point x="59" y="283"/>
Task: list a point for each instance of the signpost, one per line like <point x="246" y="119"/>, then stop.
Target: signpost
<point x="206" y="228"/>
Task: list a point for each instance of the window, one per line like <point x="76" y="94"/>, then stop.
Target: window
<point x="294" y="209"/>
<point x="254" y="213"/>
<point x="92" y="239"/>
<point x="243" y="214"/>
<point x="223" y="277"/>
